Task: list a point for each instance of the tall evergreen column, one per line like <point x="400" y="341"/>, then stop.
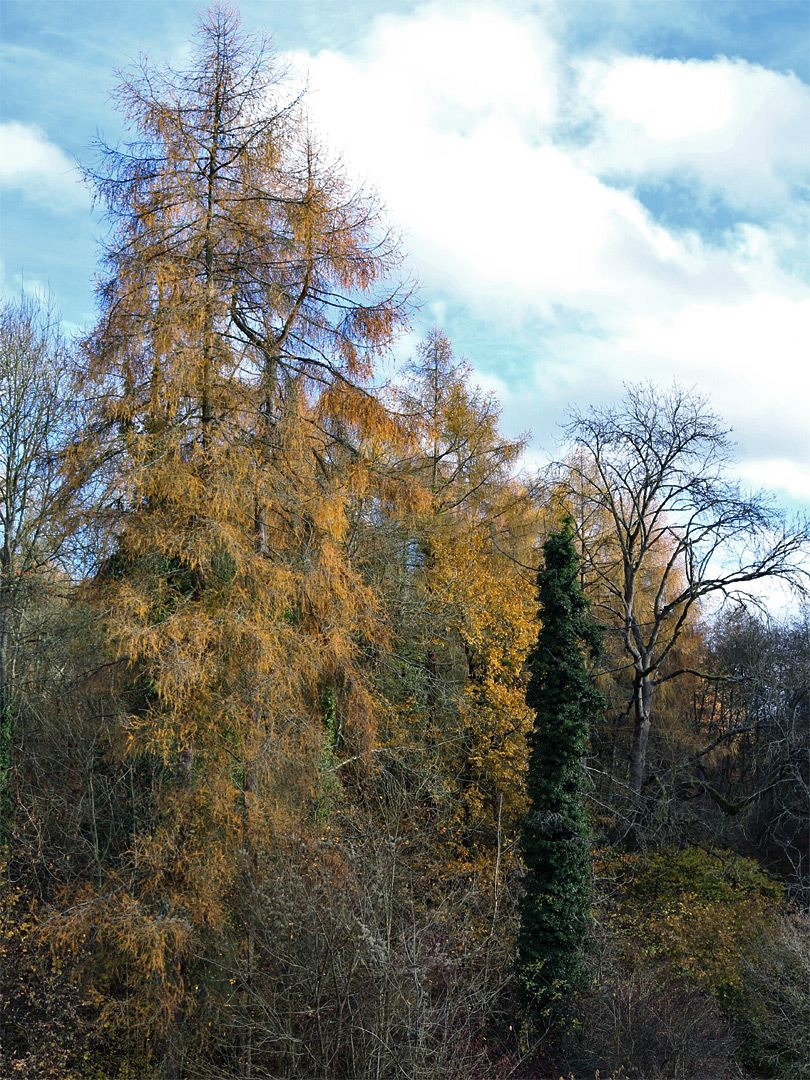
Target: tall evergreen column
<point x="555" y="910"/>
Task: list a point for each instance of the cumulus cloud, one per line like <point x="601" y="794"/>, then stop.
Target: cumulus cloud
<point x="727" y="124"/>
<point x="31" y="164"/>
<point x="443" y="72"/>
<point x="514" y="167"/>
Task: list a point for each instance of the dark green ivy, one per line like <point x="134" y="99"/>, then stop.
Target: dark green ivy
<point x="555" y="911"/>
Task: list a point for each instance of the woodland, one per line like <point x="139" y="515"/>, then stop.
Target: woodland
<point x="333" y="743"/>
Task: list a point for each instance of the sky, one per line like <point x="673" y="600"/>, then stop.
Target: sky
<point x="591" y="192"/>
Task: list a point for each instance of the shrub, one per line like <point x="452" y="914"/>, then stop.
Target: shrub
<point x="648" y="1024"/>
<point x="718" y="924"/>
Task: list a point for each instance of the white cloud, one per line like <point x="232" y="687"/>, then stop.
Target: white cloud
<point x="750" y="356"/>
<point x="448" y="72"/>
<point x="734" y="126"/>
<point x="463" y="121"/>
<point x="780" y="474"/>
<point x="38" y="169"/>
<point x="762" y="339"/>
<point x="452" y="119"/>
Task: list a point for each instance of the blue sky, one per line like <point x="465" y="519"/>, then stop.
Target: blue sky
<point x="591" y="191"/>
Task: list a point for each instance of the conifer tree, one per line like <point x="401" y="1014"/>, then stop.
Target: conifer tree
<point x="248" y="290"/>
<point x="471" y="620"/>
<point x="557" y="892"/>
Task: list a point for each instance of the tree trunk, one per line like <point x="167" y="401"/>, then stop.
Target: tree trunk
<point x="268" y="410"/>
<point x="642" y="704"/>
<point x="6" y="715"/>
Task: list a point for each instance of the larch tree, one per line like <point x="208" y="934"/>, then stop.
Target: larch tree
<point x="555" y="907"/>
<point x="471" y="621"/>
<point x="248" y="291"/>
<point x="460" y="456"/>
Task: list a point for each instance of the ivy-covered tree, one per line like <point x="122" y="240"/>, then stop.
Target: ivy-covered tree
<point x="557" y="890"/>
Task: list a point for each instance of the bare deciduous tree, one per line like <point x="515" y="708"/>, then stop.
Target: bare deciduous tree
<point x="663" y="527"/>
<point x="33" y="410"/>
